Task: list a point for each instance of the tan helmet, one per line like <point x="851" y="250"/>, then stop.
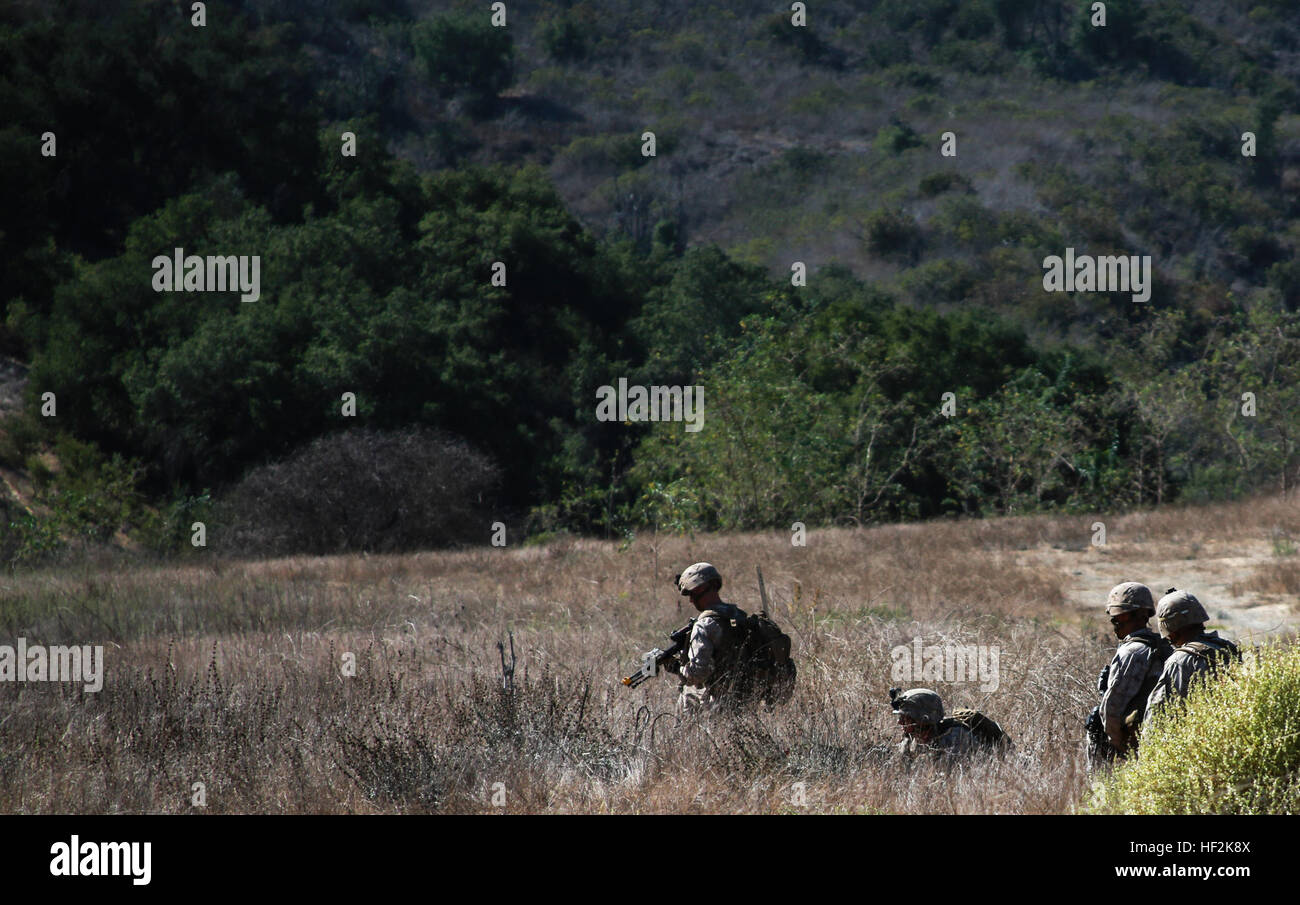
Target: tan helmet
<point x="1179" y="609"/>
<point x="696" y="576"/>
<point x="921" y="704"/>
<point x="1129" y="597"/>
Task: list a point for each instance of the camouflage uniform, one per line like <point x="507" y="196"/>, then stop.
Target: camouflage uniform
<point x="956" y="741"/>
<point x="1184" y="663"/>
<point x="704" y="669"/>
<point x="1134" y="663"/>
<point x="924" y="708"/>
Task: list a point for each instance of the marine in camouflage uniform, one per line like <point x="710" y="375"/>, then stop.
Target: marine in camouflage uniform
<point x="1182" y="620"/>
<point x="919" y="712"/>
<point x="704" y="668"/>
<point x="1134" y="669"/>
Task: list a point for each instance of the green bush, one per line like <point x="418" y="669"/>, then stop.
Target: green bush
<point x="944" y="181"/>
<point x="804" y="163"/>
<point x="887" y="50"/>
<point x="1256" y="247"/>
<point x="892" y="232"/>
<point x="807" y="47"/>
<point x="91" y="496"/>
<point x="910" y="75"/>
<point x="26" y="540"/>
<point x="896" y="138"/>
<point x="922" y="103"/>
<point x="89" y="500"/>
<point x="1213" y="483"/>
<point x="465" y="54"/>
<point x="974" y="20"/>
<point x="610" y="153"/>
<point x="172" y="531"/>
<point x="965" y="220"/>
<point x="1285" y="278"/>
<point x="564" y="39"/>
<point x="1232" y="747"/>
<point x="980" y="57"/>
<point x="939" y="280"/>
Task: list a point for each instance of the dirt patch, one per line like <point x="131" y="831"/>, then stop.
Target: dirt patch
<point x="1224" y="575"/>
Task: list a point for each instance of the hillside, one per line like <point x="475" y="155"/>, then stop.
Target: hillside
<point x="459" y="237"/>
<point x="781" y="144"/>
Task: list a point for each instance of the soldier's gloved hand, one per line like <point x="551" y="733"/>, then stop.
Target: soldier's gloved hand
<point x="671" y="666"/>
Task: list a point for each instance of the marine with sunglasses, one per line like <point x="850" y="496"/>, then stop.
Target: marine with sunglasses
<point x="1133" y="672"/>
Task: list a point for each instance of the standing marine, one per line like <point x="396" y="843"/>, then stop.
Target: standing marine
<point x="711" y="653"/>
<point x="1133" y="672"/>
<point x="1182" y="620"/>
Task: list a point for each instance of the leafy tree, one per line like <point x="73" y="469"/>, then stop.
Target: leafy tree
<point x="1015" y="447"/>
<point x="565" y="39"/>
<point x="199" y="102"/>
<point x="690" y="320"/>
<point x="464" y="53"/>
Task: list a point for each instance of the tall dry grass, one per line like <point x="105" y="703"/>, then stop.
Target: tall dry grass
<point x="229" y="673"/>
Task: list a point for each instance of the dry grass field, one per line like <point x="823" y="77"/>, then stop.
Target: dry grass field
<point x="228" y="673"/>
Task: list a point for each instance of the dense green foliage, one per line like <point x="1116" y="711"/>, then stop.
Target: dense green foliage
<point x="822" y="403"/>
<point x="466" y="54"/>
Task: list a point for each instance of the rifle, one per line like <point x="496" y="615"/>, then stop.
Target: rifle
<point x="1099" y="745"/>
<point x="652" y="660"/>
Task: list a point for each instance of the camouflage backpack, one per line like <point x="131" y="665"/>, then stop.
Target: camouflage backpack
<point x="986" y="731"/>
<point x="1215" y="653"/>
<point x="1161" y="649"/>
<point x="758" y="661"/>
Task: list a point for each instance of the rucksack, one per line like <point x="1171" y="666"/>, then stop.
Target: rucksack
<point x="986" y="731"/>
<point x="1219" y="652"/>
<point x="759" y="663"/>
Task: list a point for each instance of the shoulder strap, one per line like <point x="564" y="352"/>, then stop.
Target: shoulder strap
<point x="1210" y="649"/>
<point x="725" y="611"/>
<point x="1158" y="645"/>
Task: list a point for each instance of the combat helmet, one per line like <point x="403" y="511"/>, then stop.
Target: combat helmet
<point x="921" y="704"/>
<point x="1128" y="597"/>
<point x="697" y="576"/>
<point x="1179" y="609"/>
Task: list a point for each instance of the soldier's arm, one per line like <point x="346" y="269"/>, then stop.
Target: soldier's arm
<point x="1184" y="667"/>
<point x="699" y="658"/>
<point x="1127" y="671"/>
